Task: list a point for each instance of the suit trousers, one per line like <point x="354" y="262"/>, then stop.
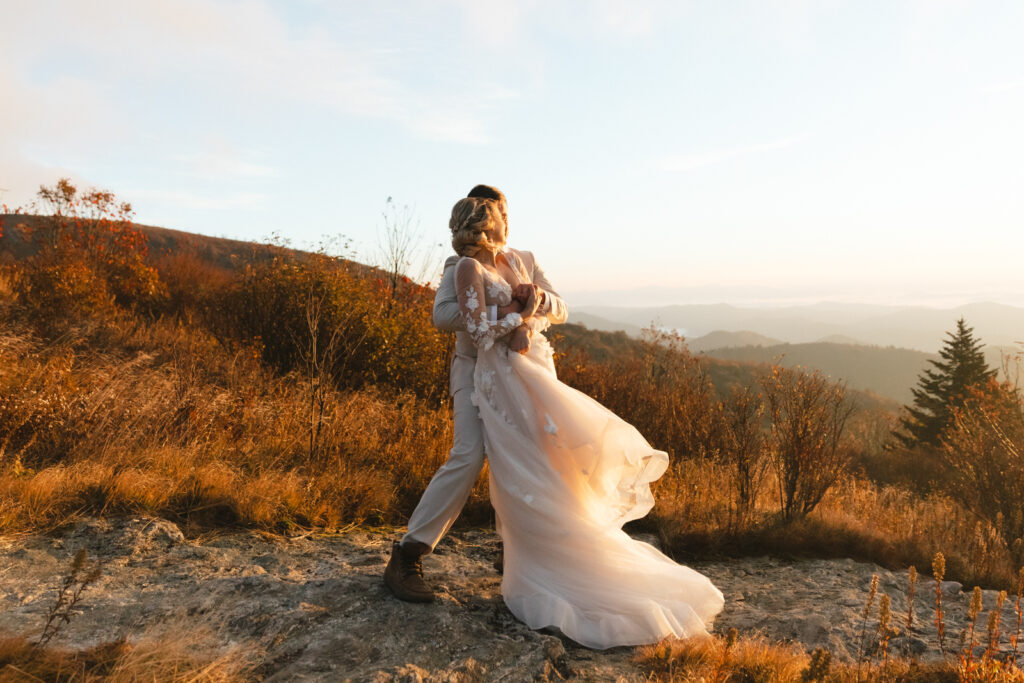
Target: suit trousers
<point x="450" y="486"/>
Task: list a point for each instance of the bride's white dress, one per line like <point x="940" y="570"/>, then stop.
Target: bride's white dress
<point x="565" y="475"/>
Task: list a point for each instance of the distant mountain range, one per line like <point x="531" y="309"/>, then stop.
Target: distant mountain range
<point x="911" y="327"/>
<point x="719" y="339"/>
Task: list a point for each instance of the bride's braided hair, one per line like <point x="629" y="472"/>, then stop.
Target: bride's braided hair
<point x="491" y="192"/>
<point x="471" y="217"/>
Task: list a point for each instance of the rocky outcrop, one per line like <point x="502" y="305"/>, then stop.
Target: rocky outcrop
<point x="315" y="608"/>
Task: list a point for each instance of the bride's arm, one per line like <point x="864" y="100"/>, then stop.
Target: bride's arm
<point x="469" y="285"/>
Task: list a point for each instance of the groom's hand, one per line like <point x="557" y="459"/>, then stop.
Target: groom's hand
<point x="530" y="295"/>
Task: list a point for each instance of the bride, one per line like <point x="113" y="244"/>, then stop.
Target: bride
<point x="565" y="472"/>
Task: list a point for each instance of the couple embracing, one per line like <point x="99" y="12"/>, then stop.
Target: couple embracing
<point x="565" y="472"/>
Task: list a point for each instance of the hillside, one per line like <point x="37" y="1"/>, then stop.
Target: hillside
<point x="738" y="367"/>
<point x="220" y="251"/>
<point x="890" y="372"/>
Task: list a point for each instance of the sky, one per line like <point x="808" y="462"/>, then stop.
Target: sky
<point x="755" y="153"/>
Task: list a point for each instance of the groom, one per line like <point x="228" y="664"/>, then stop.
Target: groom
<point x="450" y="487"/>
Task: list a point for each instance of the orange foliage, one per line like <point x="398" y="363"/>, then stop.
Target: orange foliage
<point x="89" y="257"/>
<point x="361" y="332"/>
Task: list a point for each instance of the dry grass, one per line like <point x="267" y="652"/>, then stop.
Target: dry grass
<point x="184" y="653"/>
<point x="696" y="515"/>
<point x="163" y="421"/>
<point x="753" y="659"/>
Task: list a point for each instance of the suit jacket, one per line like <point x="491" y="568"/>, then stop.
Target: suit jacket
<point x="447" y="315"/>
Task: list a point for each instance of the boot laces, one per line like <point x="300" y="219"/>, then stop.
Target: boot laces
<point x="413" y="566"/>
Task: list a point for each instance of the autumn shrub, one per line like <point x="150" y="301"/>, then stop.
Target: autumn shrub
<point x="808" y="415"/>
<point x="657" y="386"/>
<point x="744" y="449"/>
<point x="983" y="448"/>
<point x="87" y="258"/>
<point x="192" y="284"/>
<point x="792" y="425"/>
<point x="297" y="311"/>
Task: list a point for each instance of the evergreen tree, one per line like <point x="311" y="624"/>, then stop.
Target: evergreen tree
<point x="961" y="367"/>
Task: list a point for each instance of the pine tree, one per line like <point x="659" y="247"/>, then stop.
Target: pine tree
<point x="961" y="366"/>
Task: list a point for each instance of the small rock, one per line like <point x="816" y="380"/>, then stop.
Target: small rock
<point x="812" y="629"/>
<point x="951" y="588"/>
<point x="913" y="644"/>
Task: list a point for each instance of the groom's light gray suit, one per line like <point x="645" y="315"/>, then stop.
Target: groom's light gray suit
<point x="450" y="487"/>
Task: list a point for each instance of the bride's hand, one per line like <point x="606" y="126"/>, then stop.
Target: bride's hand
<point x="519" y="341"/>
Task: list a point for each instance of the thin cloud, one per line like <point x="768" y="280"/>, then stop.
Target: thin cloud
<point x="1004" y="86"/>
<point x="253" y="55"/>
<point x="191" y="200"/>
<point x="223" y="163"/>
<point x="691" y="162"/>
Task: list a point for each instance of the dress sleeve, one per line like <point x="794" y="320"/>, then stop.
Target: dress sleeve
<point x="469" y="284"/>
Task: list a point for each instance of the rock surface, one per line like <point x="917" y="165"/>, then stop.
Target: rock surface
<point x="315" y="608"/>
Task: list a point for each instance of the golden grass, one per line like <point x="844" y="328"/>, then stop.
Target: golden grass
<point x="169" y="654"/>
<point x="753" y="659"/>
<point x="695" y="516"/>
<point x="166" y="422"/>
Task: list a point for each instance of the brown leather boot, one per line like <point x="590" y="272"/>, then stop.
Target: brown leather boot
<point x="404" y="574"/>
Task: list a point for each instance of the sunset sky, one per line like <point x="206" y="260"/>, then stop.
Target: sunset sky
<point x="664" y="152"/>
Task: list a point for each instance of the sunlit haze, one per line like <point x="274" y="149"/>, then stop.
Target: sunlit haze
<point x="652" y="152"/>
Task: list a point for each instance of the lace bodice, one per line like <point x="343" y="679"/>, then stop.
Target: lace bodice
<point x="478" y="291"/>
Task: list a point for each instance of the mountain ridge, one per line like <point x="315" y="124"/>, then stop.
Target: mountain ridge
<point x="915" y="327"/>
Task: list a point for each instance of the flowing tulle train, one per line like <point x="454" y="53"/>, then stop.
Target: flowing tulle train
<point x="565" y="475"/>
